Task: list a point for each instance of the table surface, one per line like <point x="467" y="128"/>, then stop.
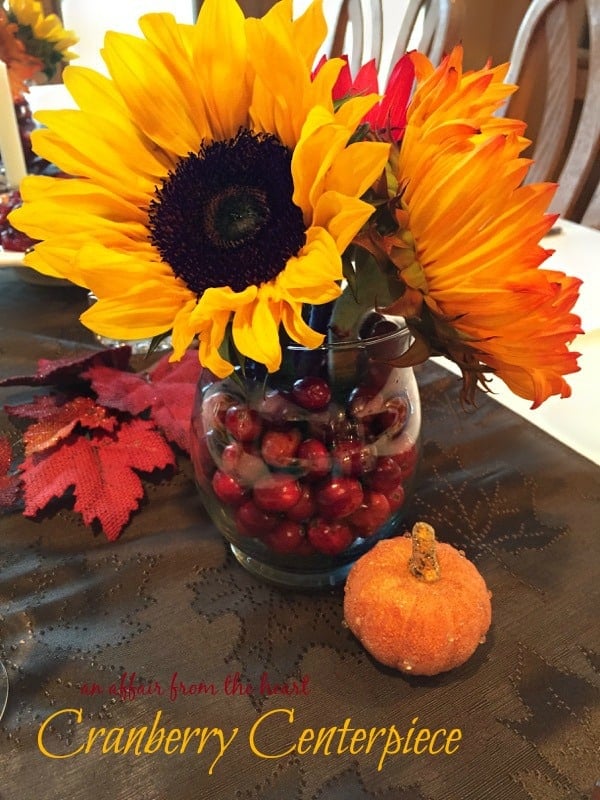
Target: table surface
<point x="576" y="252"/>
<point x="82" y="618"/>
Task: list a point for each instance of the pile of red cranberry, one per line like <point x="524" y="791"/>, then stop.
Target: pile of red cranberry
<point x="302" y="472"/>
<point x="11" y="239"/>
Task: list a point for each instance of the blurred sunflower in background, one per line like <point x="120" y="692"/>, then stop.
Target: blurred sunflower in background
<point x="42" y="35"/>
<point x="21" y="67"/>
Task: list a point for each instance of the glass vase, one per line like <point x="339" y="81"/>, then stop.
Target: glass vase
<point x="303" y="470"/>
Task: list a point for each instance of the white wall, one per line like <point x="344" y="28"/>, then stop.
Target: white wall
<point x="91" y="20"/>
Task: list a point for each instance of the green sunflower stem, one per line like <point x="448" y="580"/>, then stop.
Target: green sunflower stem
<point x="369" y="286"/>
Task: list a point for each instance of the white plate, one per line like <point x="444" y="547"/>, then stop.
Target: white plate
<point x="10" y="258"/>
<point x="14" y="258"/>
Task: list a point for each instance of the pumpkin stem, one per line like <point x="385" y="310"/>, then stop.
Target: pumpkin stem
<point x="423" y="563"/>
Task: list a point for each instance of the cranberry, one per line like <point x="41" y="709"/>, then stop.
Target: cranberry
<point x="379" y="368"/>
<point x="230" y="457"/>
<point x="407" y="460"/>
<point x="391" y="420"/>
<point x="339" y="496"/>
<point x="17" y="241"/>
<point x="276" y="406"/>
<point x="227" y="489"/>
<point x="278" y="448"/>
<point x="386" y="476"/>
<point x="214" y="408"/>
<point x="243" y="423"/>
<point x="314" y="459"/>
<point x="305" y="508"/>
<point x="352" y="457"/>
<point x="253" y="521"/>
<point x="396" y="497"/>
<point x="377" y="415"/>
<point x="9" y="200"/>
<point x="329" y="537"/>
<point x="276" y="492"/>
<point x="311" y="393"/>
<point x="341" y="428"/>
<point x="365" y="401"/>
<point x="396" y="411"/>
<point x="289" y="537"/>
<point x="246" y="466"/>
<point x="374" y="511"/>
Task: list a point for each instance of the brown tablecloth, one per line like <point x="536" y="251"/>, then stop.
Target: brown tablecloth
<point x="83" y="620"/>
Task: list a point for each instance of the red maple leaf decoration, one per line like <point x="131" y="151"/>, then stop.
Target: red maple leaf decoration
<point x="101" y="471"/>
<point x="83" y="444"/>
<point x="57" y="419"/>
<point x="9" y="484"/>
<point x="167" y="391"/>
<point x="64" y="371"/>
<point x="122" y="391"/>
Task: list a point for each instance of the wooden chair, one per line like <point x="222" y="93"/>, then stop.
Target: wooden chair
<point x="367" y="29"/>
<point x="556" y="62"/>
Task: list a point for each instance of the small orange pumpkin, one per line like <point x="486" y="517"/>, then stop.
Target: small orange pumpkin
<point x="417" y="605"/>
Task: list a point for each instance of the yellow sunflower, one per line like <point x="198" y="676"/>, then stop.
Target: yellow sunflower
<point x="216" y="187"/>
<point x="42" y="34"/>
<point x="470" y="245"/>
<point x="21" y="66"/>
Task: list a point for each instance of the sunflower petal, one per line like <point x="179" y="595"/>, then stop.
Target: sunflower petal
<point x="255" y="331"/>
<point x="150" y="101"/>
<point x="220" y="64"/>
<point x="146" y="310"/>
<point x="476" y="233"/>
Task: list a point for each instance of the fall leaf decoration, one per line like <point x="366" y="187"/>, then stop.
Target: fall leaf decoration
<point x="101" y="470"/>
<point x="65" y="372"/>
<point x="101" y="426"/>
<point x="56" y="420"/>
<point x="417" y="605"/>
<point x="167" y="390"/>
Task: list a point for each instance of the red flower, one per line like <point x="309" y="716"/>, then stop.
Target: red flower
<point x="388" y="117"/>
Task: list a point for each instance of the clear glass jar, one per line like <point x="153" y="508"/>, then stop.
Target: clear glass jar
<point x="303" y="470"/>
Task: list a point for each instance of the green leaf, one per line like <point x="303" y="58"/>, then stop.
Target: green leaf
<point x="369" y="286"/>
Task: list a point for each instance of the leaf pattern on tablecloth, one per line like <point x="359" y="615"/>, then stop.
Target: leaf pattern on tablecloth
<point x="53" y="628"/>
<point x="481" y="513"/>
<point x="350" y="786"/>
<point x="286" y="782"/>
<point x="268" y="633"/>
<point x="594" y="659"/>
<point x="561" y="721"/>
<point x="106" y="607"/>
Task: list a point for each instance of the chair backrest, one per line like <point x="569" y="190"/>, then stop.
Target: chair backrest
<point x="385" y="29"/>
<point x="556" y="62"/>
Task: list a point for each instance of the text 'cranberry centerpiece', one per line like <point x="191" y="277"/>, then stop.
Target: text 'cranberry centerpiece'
<point x="303" y="470"/>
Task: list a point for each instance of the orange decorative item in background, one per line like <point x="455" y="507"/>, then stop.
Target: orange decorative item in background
<point x="417" y="605"/>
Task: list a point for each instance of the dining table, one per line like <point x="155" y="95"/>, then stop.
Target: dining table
<point x="155" y="667"/>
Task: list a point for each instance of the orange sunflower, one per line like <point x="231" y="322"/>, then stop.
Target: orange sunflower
<point x="20" y="65"/>
<point x="467" y="245"/>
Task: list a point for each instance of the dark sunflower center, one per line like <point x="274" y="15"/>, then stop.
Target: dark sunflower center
<point x="236" y="215"/>
<point x="225" y="216"/>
